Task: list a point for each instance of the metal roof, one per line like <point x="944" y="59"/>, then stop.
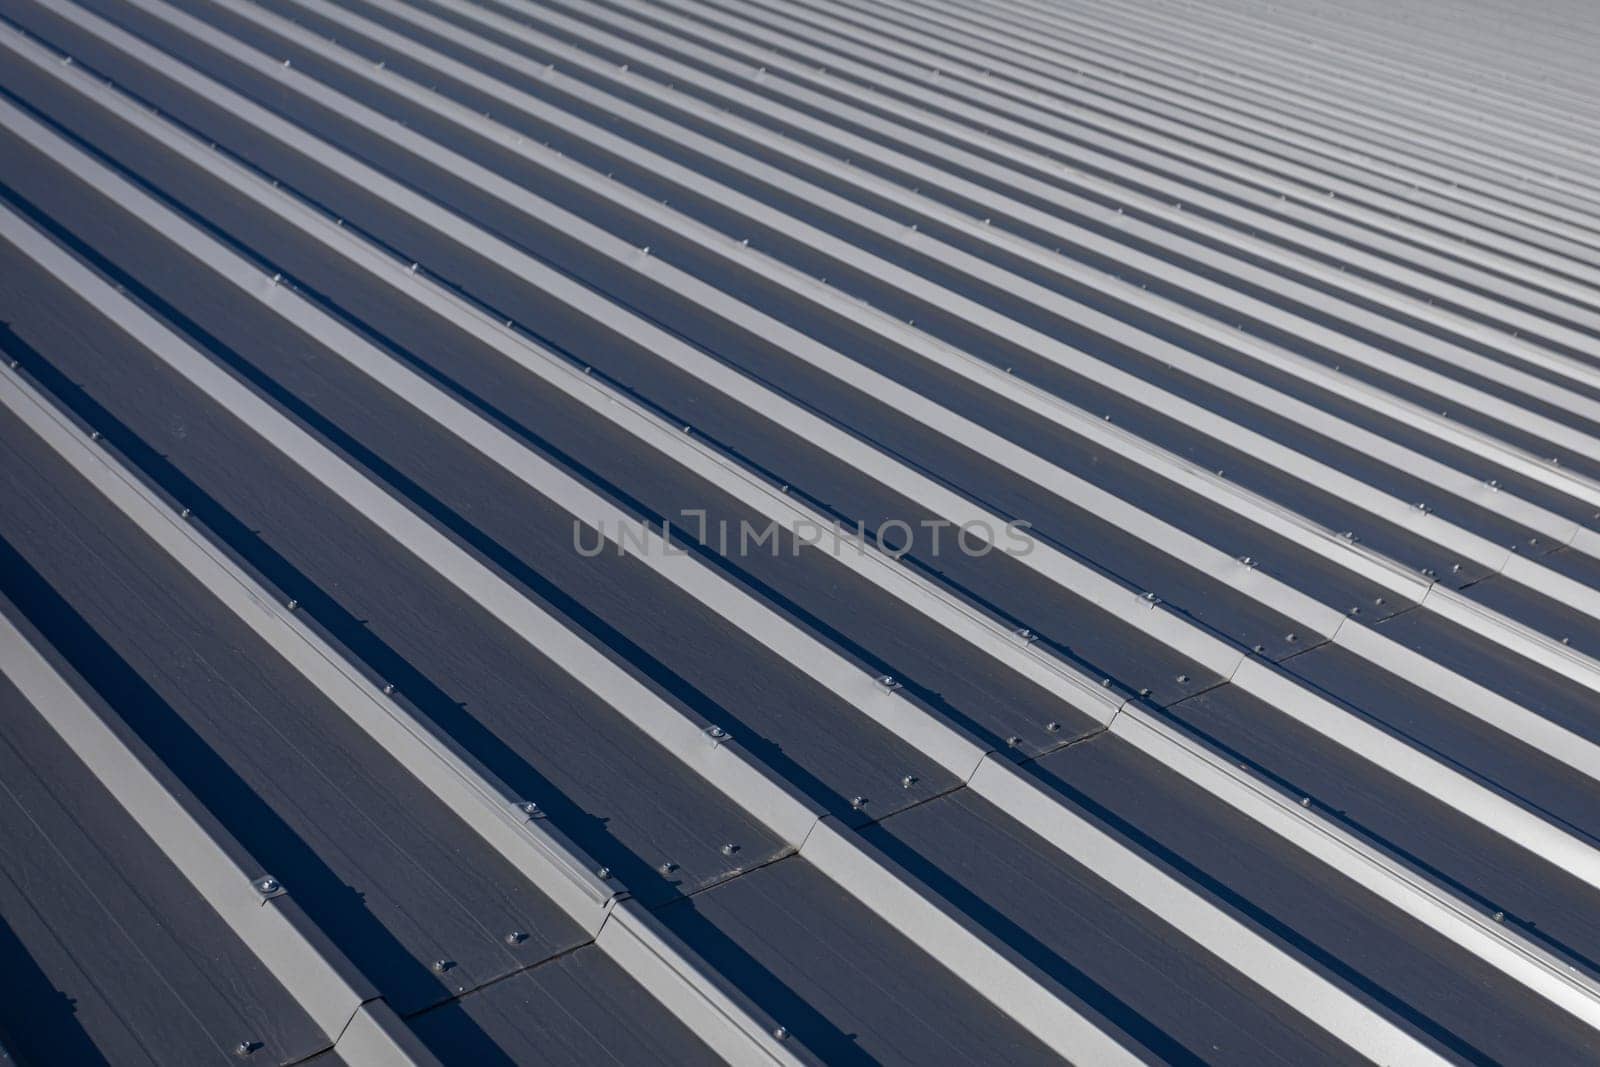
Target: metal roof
<point x="813" y="531"/>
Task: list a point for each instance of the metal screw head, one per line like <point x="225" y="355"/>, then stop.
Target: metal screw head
<point x="1305" y="802"/>
<point x="1013" y="741"/>
<point x="1182" y="678"/>
<point x="528" y="807"/>
<point x="1053" y="727"/>
<point x="729" y="849"/>
<point x="292" y="604"/>
<point x="1145" y="691"/>
<point x="244" y="1048"/>
<point x="908" y="781"/>
<point x="780" y="1032"/>
<point x="717" y="731"/>
<point x="516" y="937"/>
<point x="442" y="966"/>
<point x="858" y="802"/>
<point x="603" y="873"/>
<point x="668" y="867"/>
<point x="887" y="681"/>
<point x="184" y="514"/>
<point x="388" y="689"/>
<point x="267" y="885"/>
<point x="1499" y="916"/>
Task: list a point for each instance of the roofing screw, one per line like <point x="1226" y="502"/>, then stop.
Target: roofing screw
<point x="1305" y="802"/>
<point x="11" y="363"/>
<point x="668" y="867"/>
<point x="886" y="681"/>
<point x="1499" y="916"/>
<point x="267" y="885"/>
<point x="292" y="604"/>
<point x="1105" y="683"/>
<point x="780" y="1032"/>
<point x="441" y="966"/>
<point x="1292" y="637"/>
<point x="529" y="808"/>
<point x="1145" y="691"/>
<point x="94" y="435"/>
<point x="858" y="802"/>
<point x="717" y="731"/>
<point x="1013" y="741"/>
<point x="729" y="849"/>
<point x="1260" y="648"/>
<point x="516" y="937"/>
<point x="1566" y="640"/>
<point x="184" y="514"/>
<point x="908" y="781"/>
<point x="388" y="689"/>
<point x="1053" y="727"/>
<point x="603" y="873"/>
<point x="1183" y="677"/>
<point x="244" y="1048"/>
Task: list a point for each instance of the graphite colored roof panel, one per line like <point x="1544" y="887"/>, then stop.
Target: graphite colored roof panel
<point x="336" y="329"/>
<point x="113" y="957"/>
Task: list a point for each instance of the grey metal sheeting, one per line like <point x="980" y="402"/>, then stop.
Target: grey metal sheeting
<point x="331" y="325"/>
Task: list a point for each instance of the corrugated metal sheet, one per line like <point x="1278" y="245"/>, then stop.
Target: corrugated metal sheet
<point x="824" y="531"/>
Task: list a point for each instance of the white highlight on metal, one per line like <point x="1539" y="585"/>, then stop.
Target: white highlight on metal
<point x="1496" y="812"/>
<point x="318" y="985"/>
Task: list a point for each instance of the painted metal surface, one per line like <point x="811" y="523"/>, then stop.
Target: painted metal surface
<point x="528" y="493"/>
